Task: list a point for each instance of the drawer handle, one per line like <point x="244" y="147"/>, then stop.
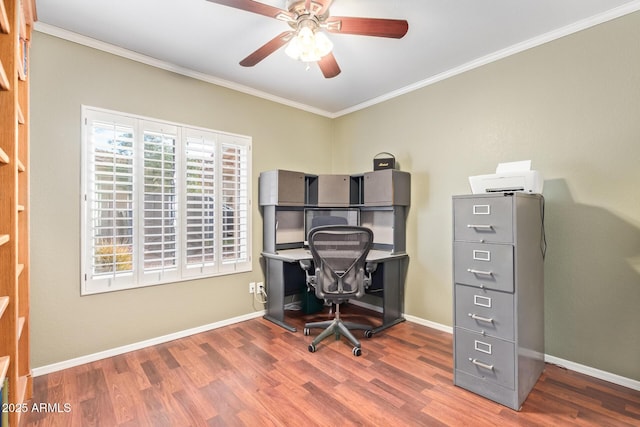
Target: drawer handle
<point x="480" y="364"/>
<point x="474" y="271"/>
<point x="482" y="319"/>
<point x="480" y="226"/>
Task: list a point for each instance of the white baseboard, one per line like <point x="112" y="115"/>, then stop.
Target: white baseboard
<point x="572" y="366"/>
<point x="54" y="367"/>
<point x="429" y="324"/>
<point x="42" y="370"/>
<point x="593" y="372"/>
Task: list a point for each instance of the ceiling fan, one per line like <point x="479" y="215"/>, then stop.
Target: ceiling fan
<point x="306" y="40"/>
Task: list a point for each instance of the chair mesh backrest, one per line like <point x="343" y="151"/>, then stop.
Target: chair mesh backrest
<point x="321" y="220"/>
<point x="339" y="254"/>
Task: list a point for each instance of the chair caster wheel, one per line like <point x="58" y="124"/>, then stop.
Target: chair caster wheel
<point x="312" y="348"/>
<point x="368" y="333"/>
<point x="357" y="351"/>
<point x="306" y="331"/>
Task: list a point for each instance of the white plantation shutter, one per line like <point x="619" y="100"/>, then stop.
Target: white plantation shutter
<point x="235" y="196"/>
<point x="200" y="198"/>
<point x="159" y="214"/>
<point x="163" y="202"/>
<point x="110" y="202"/>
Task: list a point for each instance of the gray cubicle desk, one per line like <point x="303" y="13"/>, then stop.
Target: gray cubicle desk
<point x="285" y="276"/>
<point x="382" y="199"/>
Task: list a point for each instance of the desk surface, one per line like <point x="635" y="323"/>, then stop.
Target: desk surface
<point x="295" y="255"/>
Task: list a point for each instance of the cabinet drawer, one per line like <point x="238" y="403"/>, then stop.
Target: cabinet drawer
<point x="483" y="265"/>
<point x="482" y="310"/>
<point x="485" y="357"/>
<point x="486" y="219"/>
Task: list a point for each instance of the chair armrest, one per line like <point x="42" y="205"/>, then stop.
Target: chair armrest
<point x="305" y="264"/>
<point x="371" y="267"/>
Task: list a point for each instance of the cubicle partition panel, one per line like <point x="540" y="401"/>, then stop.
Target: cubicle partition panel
<point x="400" y="229"/>
<point x="389" y="226"/>
<point x="380" y="200"/>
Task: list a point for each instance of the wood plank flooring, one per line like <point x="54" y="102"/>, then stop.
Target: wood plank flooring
<point x="257" y="374"/>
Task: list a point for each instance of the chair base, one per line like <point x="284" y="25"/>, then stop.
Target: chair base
<point x="338" y="328"/>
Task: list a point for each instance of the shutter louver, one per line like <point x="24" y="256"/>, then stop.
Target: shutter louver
<point x="159" y="217"/>
<point x="111" y="201"/>
<point x="235" y="203"/>
<point x="201" y="197"/>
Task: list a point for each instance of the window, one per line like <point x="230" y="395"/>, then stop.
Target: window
<point x="163" y="202"/>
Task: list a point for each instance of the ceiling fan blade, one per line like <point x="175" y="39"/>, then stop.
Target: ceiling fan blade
<point x="392" y="28"/>
<point x="267" y="49"/>
<point x="325" y="5"/>
<point x="256" y="7"/>
<point x="329" y="66"/>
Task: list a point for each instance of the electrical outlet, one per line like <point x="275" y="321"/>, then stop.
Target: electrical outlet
<point x="260" y="288"/>
<point x="252" y="287"/>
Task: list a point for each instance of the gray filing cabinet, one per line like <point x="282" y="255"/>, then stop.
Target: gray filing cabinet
<point x="498" y="249"/>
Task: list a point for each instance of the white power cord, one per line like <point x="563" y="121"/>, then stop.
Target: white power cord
<point x="260" y="295"/>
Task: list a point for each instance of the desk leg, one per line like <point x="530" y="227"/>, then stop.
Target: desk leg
<point x="275" y="291"/>
<point x="394" y="274"/>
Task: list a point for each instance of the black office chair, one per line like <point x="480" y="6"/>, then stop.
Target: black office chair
<point x="339" y="255"/>
<point x="322" y="220"/>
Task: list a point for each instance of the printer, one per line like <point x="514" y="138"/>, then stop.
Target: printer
<point x="509" y="177"/>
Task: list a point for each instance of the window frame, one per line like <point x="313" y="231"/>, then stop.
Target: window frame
<point x="241" y="221"/>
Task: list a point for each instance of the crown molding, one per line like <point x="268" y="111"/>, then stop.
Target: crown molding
<point x="153" y="62"/>
<point x="496" y="56"/>
<point x="592" y="21"/>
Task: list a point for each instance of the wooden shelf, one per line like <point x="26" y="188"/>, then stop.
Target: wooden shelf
<point x="20" y="116"/>
<point x="21" y="321"/>
<point x="4" y="19"/>
<point x="3" y="157"/>
<point x="16" y="20"/>
<point x="22" y="388"/>
<point x="29" y="10"/>
<point x="20" y="65"/>
<point x="4" y="367"/>
<point x="4" y="302"/>
<point x="4" y="80"/>
<point x="23" y="24"/>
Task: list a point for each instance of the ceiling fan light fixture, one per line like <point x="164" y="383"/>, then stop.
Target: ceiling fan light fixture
<point x="308" y="45"/>
<point x="308" y="20"/>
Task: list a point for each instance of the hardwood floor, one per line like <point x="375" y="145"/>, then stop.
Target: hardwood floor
<point x="257" y="374"/>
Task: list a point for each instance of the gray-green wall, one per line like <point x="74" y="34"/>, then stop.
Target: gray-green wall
<point x="66" y="75"/>
<point x="571" y="106"/>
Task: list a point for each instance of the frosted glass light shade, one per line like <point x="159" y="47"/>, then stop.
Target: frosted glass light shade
<point x="308" y="46"/>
